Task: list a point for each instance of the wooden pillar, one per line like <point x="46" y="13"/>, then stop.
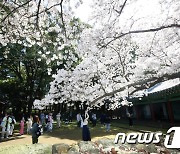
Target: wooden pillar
<point x="170" y="112"/>
<point x="152" y="112"/>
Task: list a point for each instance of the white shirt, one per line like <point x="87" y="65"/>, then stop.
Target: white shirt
<point x="29" y="123"/>
<point x="58" y="116"/>
<point x="78" y="117"/>
<point x="85" y="122"/>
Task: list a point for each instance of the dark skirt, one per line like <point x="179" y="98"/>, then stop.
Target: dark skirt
<point x="86" y="133"/>
<point x="130" y="122"/>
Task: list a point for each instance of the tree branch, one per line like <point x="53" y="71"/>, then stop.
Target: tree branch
<point x="120" y="12"/>
<point x="142" y="31"/>
<point x="62" y="19"/>
<point x="37" y="14"/>
<point x="14" y="10"/>
<point x="141" y="82"/>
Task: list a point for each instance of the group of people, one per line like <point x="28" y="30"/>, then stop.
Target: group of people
<point x="32" y="124"/>
<point x="45" y="121"/>
<point x="7" y="125"/>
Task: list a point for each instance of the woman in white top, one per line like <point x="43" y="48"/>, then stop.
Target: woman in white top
<point x="85" y="130"/>
<point x="29" y="125"/>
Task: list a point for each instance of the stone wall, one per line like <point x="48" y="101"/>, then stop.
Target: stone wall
<point x="102" y="146"/>
<point x="106" y="146"/>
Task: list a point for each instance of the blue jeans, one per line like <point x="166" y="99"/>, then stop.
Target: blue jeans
<point x="107" y="127"/>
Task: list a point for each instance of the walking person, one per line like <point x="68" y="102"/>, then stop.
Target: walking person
<point x="34" y="129"/>
<point x="12" y="125"/>
<point x="85" y="130"/>
<point x="58" y="118"/>
<point x="22" y="126"/>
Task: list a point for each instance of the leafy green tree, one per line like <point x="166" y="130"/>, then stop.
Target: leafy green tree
<point x="26" y="71"/>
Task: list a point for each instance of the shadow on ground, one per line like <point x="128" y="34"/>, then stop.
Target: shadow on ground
<point x="14" y="137"/>
<point x="72" y="132"/>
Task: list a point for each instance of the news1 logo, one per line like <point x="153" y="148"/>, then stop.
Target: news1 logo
<point x="151" y="138"/>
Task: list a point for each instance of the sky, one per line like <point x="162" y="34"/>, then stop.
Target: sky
<point x="84" y="10"/>
<point x="145" y="8"/>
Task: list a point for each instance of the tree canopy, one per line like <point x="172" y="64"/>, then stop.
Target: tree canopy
<point x="130" y="45"/>
<point x="36" y="41"/>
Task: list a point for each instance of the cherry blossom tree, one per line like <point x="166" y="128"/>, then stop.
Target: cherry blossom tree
<point x="37" y="34"/>
<point x="133" y="45"/>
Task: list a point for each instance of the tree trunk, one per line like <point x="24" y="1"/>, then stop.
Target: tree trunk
<point x="30" y="105"/>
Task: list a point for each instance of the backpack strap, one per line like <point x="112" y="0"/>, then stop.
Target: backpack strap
<point x="7" y="120"/>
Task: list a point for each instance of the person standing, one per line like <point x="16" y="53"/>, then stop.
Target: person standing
<point x="29" y="125"/>
<point x="22" y="126"/>
<point x="129" y="115"/>
<point x="58" y="118"/>
<point x="12" y="125"/>
<point x="94" y="119"/>
<point x="50" y="122"/>
<point x="42" y="118"/>
<point x="85" y="129"/>
<point x="34" y="129"/>
<point x="102" y="119"/>
<point x="6" y="122"/>
<point x="70" y="116"/>
<point x="46" y="118"/>
<point x="78" y="118"/>
<point x="107" y="123"/>
<point x="3" y="125"/>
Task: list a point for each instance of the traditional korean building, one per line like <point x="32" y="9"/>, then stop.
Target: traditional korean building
<point x="160" y="103"/>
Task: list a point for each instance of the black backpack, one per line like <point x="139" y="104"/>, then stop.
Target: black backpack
<point x="39" y="130"/>
<point x="13" y="122"/>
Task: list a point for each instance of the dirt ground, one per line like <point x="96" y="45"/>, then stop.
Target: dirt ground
<point x="26" y="139"/>
<point x="44" y="139"/>
<point x="68" y="134"/>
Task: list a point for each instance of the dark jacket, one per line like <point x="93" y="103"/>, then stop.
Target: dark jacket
<point x="34" y="130"/>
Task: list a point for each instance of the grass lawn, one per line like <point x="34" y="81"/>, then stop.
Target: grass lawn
<point x="71" y="131"/>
